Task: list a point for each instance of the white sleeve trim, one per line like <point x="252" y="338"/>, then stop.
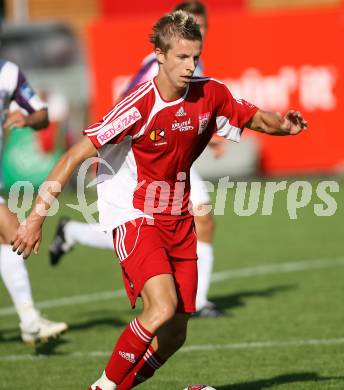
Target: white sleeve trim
<point x="226" y="130"/>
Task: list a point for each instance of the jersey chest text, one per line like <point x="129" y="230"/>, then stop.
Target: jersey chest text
<point x="177" y="128"/>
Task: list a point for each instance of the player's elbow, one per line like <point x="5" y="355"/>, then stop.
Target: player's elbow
<point x="45" y="122"/>
<point x="41" y="120"/>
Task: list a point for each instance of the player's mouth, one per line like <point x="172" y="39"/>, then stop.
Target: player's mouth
<point x="186" y="78"/>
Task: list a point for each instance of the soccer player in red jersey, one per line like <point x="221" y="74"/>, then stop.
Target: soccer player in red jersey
<point x="69" y="232"/>
<point x="145" y="201"/>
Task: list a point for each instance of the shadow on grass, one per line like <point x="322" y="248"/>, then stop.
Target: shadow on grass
<point x="49" y="348"/>
<point x="11" y="335"/>
<point x="238" y="300"/>
<point x="42" y="348"/>
<point x="261" y="384"/>
<point x="97" y="322"/>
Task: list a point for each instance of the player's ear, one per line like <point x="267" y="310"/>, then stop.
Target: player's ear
<point x="160" y="55"/>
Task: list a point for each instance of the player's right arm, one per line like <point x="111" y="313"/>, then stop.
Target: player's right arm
<point x="29" y="233"/>
<point x="124" y="120"/>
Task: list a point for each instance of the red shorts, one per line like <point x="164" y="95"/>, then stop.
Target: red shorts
<point x="147" y="248"/>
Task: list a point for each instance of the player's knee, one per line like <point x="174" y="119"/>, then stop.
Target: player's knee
<point x="167" y="311"/>
<point x="163" y="312"/>
<point x="7" y="236"/>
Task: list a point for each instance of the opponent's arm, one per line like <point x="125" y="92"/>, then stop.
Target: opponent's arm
<point x="274" y="123"/>
<point x="28" y="235"/>
<point x="37" y="120"/>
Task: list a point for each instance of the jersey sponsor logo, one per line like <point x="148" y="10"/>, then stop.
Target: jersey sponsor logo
<point x="203" y="120"/>
<point x="181" y="112"/>
<point x="182" y="126"/>
<point x="158" y="136"/>
<point x="121" y="123"/>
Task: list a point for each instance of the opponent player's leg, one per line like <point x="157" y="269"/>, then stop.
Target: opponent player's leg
<point x="16" y="279"/>
<point x="70" y="233"/>
<point x="205" y="227"/>
<point x="159" y="305"/>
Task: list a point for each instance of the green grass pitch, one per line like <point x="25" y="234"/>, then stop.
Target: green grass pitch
<point x="280" y="282"/>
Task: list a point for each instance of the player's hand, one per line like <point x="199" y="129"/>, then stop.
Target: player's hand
<point x="15" y="119"/>
<point x="293" y="123"/>
<point x="27" y="238"/>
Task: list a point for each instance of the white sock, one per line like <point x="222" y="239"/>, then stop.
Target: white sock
<point x="105" y="383"/>
<point x="87" y="234"/>
<point x="16" y="278"/>
<point x="205" y="267"/>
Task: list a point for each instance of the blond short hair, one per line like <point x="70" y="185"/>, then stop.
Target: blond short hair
<point x="178" y="24"/>
<point x="194" y="8"/>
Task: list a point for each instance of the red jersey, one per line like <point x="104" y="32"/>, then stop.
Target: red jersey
<point x="147" y="146"/>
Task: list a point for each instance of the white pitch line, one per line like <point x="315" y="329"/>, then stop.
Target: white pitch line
<point x="190" y="349"/>
<point x="259" y="270"/>
<point x="277" y="268"/>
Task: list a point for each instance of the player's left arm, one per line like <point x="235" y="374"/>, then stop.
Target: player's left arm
<point x="36" y="113"/>
<point x="273" y="123"/>
<point x="37" y="119"/>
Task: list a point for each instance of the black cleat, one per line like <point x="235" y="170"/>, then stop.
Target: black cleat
<point x="209" y="311"/>
<point x="58" y="246"/>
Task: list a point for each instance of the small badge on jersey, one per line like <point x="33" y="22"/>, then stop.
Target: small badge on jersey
<point x="158" y="136"/>
<point x="117" y="126"/>
<point x="203" y="120"/>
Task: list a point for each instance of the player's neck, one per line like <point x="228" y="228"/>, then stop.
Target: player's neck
<point x="166" y="89"/>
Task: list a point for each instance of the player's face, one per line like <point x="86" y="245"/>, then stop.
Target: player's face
<point x="179" y="62"/>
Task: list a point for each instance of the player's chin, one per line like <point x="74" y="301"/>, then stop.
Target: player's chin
<point x="184" y="81"/>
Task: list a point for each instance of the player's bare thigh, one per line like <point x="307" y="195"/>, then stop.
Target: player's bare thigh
<point x="8" y="224"/>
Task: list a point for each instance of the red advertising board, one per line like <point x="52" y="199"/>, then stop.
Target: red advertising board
<point x="276" y="60"/>
<point x="111" y="8"/>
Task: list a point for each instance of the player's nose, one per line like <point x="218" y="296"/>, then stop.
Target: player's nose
<point x="191" y="65"/>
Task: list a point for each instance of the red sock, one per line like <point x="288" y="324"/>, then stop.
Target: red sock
<point x="144" y="369"/>
<point x="130" y="347"/>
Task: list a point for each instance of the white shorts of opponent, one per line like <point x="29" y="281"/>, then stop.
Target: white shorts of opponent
<point x="198" y="194"/>
<point x="2" y="200"/>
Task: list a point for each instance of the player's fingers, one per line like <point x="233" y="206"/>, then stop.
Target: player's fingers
<point x="21" y="248"/>
<point x="27" y="252"/>
<point x="15" y="244"/>
<point x="36" y="247"/>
